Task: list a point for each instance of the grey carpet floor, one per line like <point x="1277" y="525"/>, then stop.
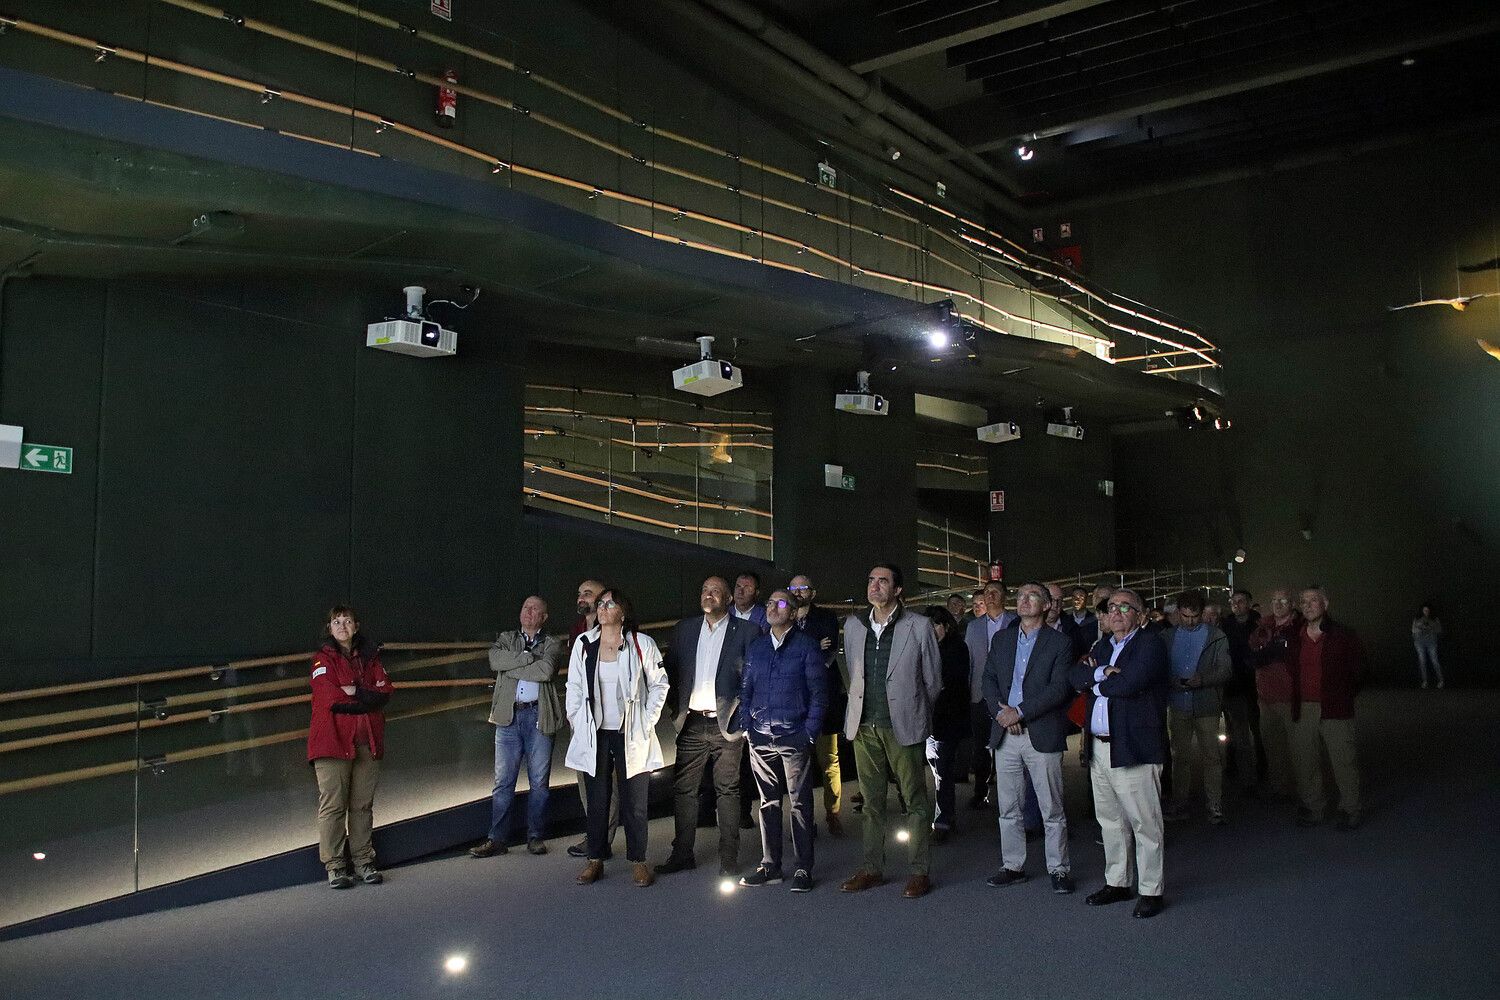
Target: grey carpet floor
<point x="1404" y="907"/>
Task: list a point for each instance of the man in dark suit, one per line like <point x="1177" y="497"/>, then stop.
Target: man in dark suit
<point x="1126" y="678"/>
<point x="1026" y="692"/>
<point x="704" y="664"/>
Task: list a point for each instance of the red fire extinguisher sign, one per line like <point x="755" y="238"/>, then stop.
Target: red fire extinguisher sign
<point x="447" y="100"/>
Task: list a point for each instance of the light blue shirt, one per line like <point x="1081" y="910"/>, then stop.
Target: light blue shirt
<point x="1186" y="651"/>
<point x="529" y="690"/>
<point x="1024" y="645"/>
<point x="1099" y="720"/>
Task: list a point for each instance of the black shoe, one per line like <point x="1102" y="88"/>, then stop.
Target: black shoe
<point x="1109" y="894"/>
<point x="487" y="849"/>
<point x="1148" y="906"/>
<point x="941" y="834"/>
<point x="536" y="845"/>
<point x="802" y="881"/>
<point x="761" y="876"/>
<point x="673" y="865"/>
<point x="579" y="850"/>
<point x="1006" y="877"/>
<point x="1347" y="822"/>
<point x="746" y="823"/>
<point x="1062" y="883"/>
<point x="1307" y="818"/>
<point x="1217" y="817"/>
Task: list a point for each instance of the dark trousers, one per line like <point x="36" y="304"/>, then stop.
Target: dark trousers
<point x="983" y="758"/>
<point x="782" y="769"/>
<point x="614" y="806"/>
<point x="942" y="755"/>
<point x="633" y="795"/>
<point x="701" y="746"/>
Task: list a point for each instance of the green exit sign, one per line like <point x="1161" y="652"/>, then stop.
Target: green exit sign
<point x="46" y="458"/>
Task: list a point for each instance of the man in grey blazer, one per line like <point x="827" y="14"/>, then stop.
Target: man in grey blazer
<point x="1027" y="693"/>
<point x="895" y="674"/>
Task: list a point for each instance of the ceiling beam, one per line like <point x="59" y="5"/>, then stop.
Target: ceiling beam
<point x="893" y="45"/>
<point x="1000" y="131"/>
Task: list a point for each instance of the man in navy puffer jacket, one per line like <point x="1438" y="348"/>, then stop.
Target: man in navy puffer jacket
<point x="783" y="698"/>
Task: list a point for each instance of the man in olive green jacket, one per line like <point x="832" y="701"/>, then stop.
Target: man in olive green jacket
<point x="526" y="711"/>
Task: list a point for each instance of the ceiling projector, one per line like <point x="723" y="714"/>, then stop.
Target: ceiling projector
<point x="864" y="401"/>
<point x="1005" y="430"/>
<point x="707" y="376"/>
<point x="412" y="334"/>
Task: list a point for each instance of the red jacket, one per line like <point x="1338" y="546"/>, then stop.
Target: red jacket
<point x="1343" y="669"/>
<point x="337" y="717"/>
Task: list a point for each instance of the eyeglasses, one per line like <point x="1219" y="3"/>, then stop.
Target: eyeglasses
<point x="778" y="603"/>
<point x="1280" y="600"/>
<point x="1122" y="609"/>
<point x="798" y="590"/>
<point x="605" y="605"/>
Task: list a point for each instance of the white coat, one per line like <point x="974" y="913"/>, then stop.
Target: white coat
<point x="643" y="689"/>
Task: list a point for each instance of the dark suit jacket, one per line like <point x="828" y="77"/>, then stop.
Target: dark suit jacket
<point x="1045" y="691"/>
<point x="682" y="660"/>
<point x="1137" y="699"/>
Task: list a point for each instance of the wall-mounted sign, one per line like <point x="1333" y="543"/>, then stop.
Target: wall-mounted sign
<point x="1065" y="231"/>
<point x="10" y="446"/>
<point x="835" y="478"/>
<point x="997" y="501"/>
<point x="942" y="189"/>
<point x="827" y="176"/>
<point x="443" y="9"/>
<point x="46" y="458"/>
<point x="1038" y="235"/>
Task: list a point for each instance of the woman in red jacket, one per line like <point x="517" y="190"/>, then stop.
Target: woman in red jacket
<point x="345" y="743"/>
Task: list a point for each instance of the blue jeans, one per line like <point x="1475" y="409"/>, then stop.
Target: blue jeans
<point x="521" y="739"/>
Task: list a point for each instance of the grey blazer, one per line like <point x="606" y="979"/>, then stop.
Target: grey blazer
<point x="913" y="677"/>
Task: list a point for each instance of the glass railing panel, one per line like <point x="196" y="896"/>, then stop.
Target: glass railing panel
<point x="67" y="795"/>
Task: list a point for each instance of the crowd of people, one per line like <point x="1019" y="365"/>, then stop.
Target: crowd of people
<point x="760" y="697"/>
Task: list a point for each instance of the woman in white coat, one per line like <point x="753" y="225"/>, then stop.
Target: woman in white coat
<point x="616" y="690"/>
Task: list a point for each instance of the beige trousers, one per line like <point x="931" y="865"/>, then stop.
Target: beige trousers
<point x="826" y="750"/>
<point x="1276" y="738"/>
<point x="1195" y="739"/>
<point x="1311" y="736"/>
<point x="1127" y="804"/>
<point x="346" y="808"/>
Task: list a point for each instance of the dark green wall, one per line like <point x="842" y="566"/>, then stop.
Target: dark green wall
<point x="1373" y="430"/>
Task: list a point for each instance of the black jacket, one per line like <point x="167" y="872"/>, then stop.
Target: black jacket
<point x="681" y="661"/>
<point x="1045" y="691"/>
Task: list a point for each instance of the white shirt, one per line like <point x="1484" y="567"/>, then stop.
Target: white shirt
<point x="879" y="627"/>
<point x="775" y="642"/>
<point x="529" y="690"/>
<point x="706" y="669"/>
<point x="612" y="711"/>
<point x="1099" y="720"/>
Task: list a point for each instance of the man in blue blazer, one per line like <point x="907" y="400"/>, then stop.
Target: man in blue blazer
<point x="1126" y="677"/>
<point x="1027" y="693"/>
<point x="704" y="664"/>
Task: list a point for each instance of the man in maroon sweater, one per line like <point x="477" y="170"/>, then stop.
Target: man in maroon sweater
<point x="1327" y="664"/>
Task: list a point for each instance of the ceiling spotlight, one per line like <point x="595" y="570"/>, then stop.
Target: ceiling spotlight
<point x="268" y="95"/>
<point x="1409" y="62"/>
<point x="382" y="126"/>
<point x="893" y="153"/>
<point x="39" y="856"/>
<point x="1239" y="555"/>
<point x="938" y="339"/>
<point x="1025" y="152"/>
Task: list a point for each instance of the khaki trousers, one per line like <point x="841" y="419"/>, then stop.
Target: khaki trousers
<point x="1311" y="735"/>
<point x="826" y="752"/>
<point x="1276" y="740"/>
<point x="346" y="808"/>
<point x="1195" y="739"/>
<point x="1127" y="803"/>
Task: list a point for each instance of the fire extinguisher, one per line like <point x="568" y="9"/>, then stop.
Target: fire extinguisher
<point x="447" y="100"/>
<point x="996" y="570"/>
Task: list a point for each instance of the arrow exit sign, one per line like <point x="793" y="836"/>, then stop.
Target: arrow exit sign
<point x="46" y="458"/>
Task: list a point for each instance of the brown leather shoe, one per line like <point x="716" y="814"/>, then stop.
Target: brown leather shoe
<point x="862" y="880"/>
<point x="917" y="886"/>
<point x="643" y="875"/>
<point x="835" y="825"/>
<point x="592" y="872"/>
